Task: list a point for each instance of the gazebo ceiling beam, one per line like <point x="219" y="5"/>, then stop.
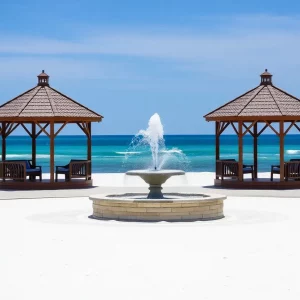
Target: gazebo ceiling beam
<point x="297" y="126"/>
<point x="84" y="127"/>
<point x="60" y="129"/>
<point x="233" y="126"/>
<point x="248" y="128"/>
<point x="4" y="126"/>
<point x="81" y="127"/>
<point x="288" y="129"/>
<point x="26" y="129"/>
<point x="42" y="129"/>
<point x="87" y="130"/>
<point x="269" y="124"/>
<point x="223" y="127"/>
<point x="263" y="129"/>
<point x="11" y="128"/>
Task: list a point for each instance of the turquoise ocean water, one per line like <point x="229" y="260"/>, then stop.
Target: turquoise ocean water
<point x="194" y="153"/>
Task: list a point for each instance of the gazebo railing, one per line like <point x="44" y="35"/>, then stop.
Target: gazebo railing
<point x="230" y="168"/>
<point x="15" y="170"/>
<point x="75" y="169"/>
<point x="292" y="170"/>
<point x="227" y="168"/>
<point x="80" y="169"/>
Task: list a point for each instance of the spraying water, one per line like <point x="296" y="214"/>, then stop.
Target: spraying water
<point x="154" y="136"/>
<point x="152" y="139"/>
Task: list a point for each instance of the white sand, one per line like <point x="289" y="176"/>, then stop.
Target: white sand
<point x="50" y="249"/>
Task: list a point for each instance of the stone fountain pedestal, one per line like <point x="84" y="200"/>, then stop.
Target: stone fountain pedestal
<point x="174" y="207"/>
<point x="157" y="206"/>
<point x="155" y="179"/>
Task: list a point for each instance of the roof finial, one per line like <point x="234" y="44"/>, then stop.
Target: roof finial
<point x="43" y="79"/>
<point x="266" y="78"/>
<point x="266" y="70"/>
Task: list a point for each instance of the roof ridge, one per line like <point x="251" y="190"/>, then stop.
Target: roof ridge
<point x="277" y="88"/>
<point x="231" y="101"/>
<point x="262" y="87"/>
<point x="18" y="96"/>
<point x="30" y="98"/>
<point x="53" y="105"/>
<point x="274" y="100"/>
<point x="74" y="101"/>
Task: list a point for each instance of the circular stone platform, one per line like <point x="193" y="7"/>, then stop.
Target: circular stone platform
<point x="174" y="207"/>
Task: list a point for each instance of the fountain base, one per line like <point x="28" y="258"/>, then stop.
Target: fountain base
<point x="174" y="207"/>
<point x="155" y="192"/>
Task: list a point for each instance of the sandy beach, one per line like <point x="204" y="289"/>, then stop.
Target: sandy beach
<point x="50" y="249"/>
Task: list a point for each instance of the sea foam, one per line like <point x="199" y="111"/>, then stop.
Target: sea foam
<point x="293" y="151"/>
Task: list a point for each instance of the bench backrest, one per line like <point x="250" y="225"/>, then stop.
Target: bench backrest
<point x="292" y="169"/>
<point x="79" y="167"/>
<point x="13" y="169"/>
<point x="28" y="162"/>
<point x="227" y="167"/>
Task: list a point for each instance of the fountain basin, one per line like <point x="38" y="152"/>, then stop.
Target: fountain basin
<point x="155" y="178"/>
<point x="174" y="207"/>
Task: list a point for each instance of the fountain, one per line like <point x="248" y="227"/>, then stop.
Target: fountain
<point x="155" y="177"/>
<point x="156" y="206"/>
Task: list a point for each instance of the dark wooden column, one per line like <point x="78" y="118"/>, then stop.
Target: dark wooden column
<point x="3" y="133"/>
<point x="89" y="142"/>
<point x="217" y="145"/>
<point x="52" y="151"/>
<point x="33" y="143"/>
<point x="89" y="145"/>
<point x="240" y="150"/>
<point x="281" y="149"/>
<point x="255" y="144"/>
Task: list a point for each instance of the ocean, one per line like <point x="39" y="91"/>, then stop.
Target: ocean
<point x="115" y="153"/>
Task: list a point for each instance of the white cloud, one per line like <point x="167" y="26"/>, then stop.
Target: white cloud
<point x="231" y="44"/>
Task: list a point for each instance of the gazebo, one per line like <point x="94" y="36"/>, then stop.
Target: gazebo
<point x="43" y="109"/>
<point x="265" y="106"/>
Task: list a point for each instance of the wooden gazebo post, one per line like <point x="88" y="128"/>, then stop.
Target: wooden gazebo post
<point x="281" y="137"/>
<point x="89" y="145"/>
<point x="240" y="150"/>
<point x="255" y="145"/>
<point x="3" y="133"/>
<point x="33" y="143"/>
<point x="52" y="133"/>
<point x="217" y="135"/>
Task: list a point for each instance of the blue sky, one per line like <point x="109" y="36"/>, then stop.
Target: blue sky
<point x="130" y="59"/>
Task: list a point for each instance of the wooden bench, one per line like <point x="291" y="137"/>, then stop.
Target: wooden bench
<point x="75" y="169"/>
<point x="19" y="170"/>
<point x="230" y="168"/>
<point x="291" y="170"/>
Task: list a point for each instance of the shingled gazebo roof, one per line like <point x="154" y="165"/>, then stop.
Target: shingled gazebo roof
<point x="264" y="101"/>
<point x="44" y="103"/>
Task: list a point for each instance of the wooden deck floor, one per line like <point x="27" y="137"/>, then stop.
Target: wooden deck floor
<point x="45" y="184"/>
<point x="259" y="183"/>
